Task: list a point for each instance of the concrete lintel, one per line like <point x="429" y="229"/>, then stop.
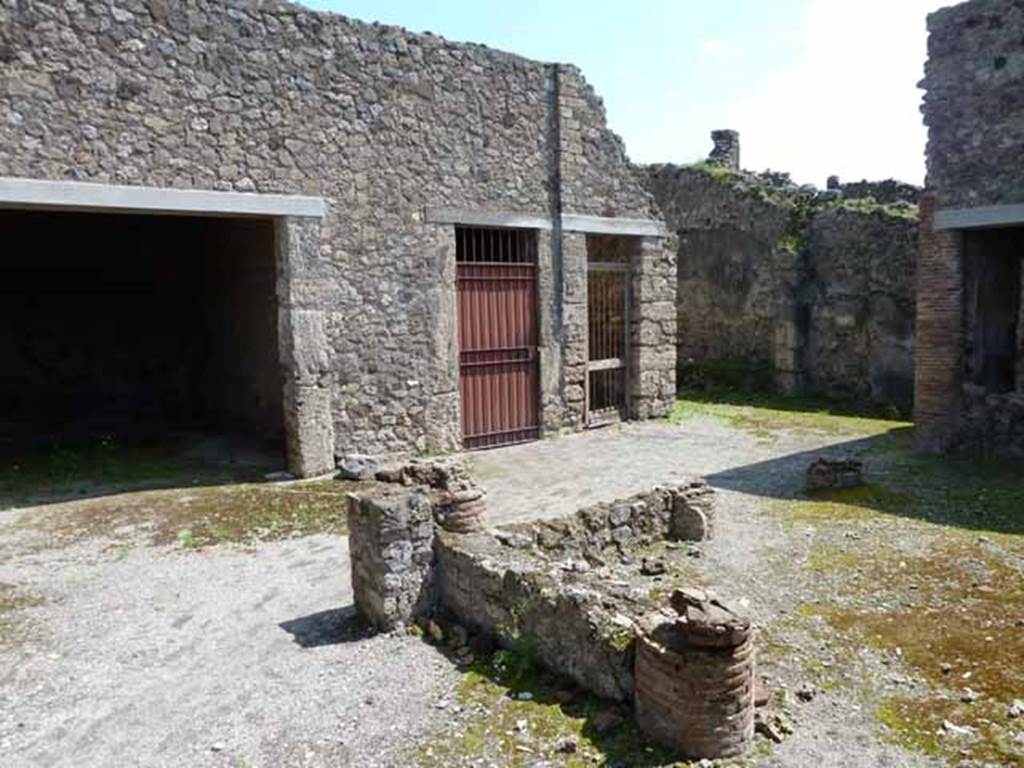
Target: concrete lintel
<point x="607" y="225"/>
<point x="982" y="216"/>
<point x="474" y="217"/>
<point x="78" y="195"/>
<point x="571" y="222"/>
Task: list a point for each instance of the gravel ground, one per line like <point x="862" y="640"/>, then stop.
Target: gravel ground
<point x="154" y="657"/>
<point x="134" y="654"/>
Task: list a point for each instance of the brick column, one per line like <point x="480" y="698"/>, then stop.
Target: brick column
<point x="938" y="365"/>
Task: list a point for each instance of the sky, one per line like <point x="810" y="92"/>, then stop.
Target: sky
<point x="815" y="87"/>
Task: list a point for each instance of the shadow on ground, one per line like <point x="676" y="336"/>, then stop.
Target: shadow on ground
<point x="59" y="469"/>
<point x="526" y="709"/>
<point x="330" y="627"/>
<point x="973" y="492"/>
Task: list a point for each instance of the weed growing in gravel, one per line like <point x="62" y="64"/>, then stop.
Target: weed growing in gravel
<point x="514" y="713"/>
<point x="12" y="600"/>
<point x="192" y="518"/>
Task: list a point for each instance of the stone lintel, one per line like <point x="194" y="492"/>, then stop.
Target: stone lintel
<point x="79" y="195"/>
<point x="571" y="222"/>
<point x="606" y="225"/>
<point x="979" y="217"/>
<point x="475" y="217"/>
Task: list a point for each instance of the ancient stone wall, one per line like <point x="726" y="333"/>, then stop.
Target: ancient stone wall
<point x="974" y="103"/>
<point x="790" y="287"/>
<point x="262" y="96"/>
<point x="735" y="267"/>
<point x="860" y="299"/>
<point x="884" y="192"/>
<point x="974" y="110"/>
<point x="548" y="581"/>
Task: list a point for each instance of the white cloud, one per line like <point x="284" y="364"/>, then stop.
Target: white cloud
<point x="850" y="104"/>
<point x="712" y="47"/>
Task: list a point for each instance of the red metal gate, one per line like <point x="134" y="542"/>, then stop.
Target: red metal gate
<point x="496" y="278"/>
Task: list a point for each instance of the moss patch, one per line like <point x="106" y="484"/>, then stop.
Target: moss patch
<point x="947" y="603"/>
<point x="244" y="513"/>
<point x="504" y="729"/>
<point x="953" y="615"/>
<point x="12" y="600"/>
<point x="765" y="415"/>
<point x="88" y="465"/>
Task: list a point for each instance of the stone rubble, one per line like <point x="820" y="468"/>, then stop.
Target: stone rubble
<point x="826" y="473"/>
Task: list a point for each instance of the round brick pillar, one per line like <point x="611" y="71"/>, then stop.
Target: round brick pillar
<point x="695" y="678"/>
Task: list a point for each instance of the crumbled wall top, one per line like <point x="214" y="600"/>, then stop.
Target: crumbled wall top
<point x="755" y="193"/>
<point x="974" y="103"/>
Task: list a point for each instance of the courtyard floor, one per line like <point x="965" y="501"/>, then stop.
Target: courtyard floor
<point x="175" y="615"/>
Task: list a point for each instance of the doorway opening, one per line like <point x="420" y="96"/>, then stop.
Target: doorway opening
<point x="609" y="260"/>
<point x="127" y="330"/>
<point x="993" y="282"/>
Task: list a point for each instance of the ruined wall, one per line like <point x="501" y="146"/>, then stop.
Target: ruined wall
<point x="791" y="287"/>
<point x="974" y="103"/>
<point x="860" y="298"/>
<point x="734" y="263"/>
<point x="974" y="111"/>
<point x="381" y="123"/>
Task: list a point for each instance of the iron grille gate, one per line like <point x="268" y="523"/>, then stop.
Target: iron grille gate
<point x="608" y="343"/>
<point x="496" y="281"/>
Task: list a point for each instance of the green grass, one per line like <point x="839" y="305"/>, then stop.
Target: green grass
<point x="764" y="414"/>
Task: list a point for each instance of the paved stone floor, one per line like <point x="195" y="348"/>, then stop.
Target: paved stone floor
<point x="551" y="478"/>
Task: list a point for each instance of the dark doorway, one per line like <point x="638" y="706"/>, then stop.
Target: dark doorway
<point x="992" y="273"/>
<point x="135" y="326"/>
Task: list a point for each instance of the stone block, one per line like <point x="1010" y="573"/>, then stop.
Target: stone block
<point x="391" y="535"/>
<point x="834" y="474"/>
<point x="355" y="466"/>
<point x="504" y="593"/>
<point x="693" y="511"/>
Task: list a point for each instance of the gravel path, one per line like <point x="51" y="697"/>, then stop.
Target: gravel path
<point x="153" y="656"/>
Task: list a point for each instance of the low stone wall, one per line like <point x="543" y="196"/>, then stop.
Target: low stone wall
<point x="507" y="592"/>
<point x="577" y="590"/>
<point x="547" y="581"/>
<point x="681" y="512"/>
